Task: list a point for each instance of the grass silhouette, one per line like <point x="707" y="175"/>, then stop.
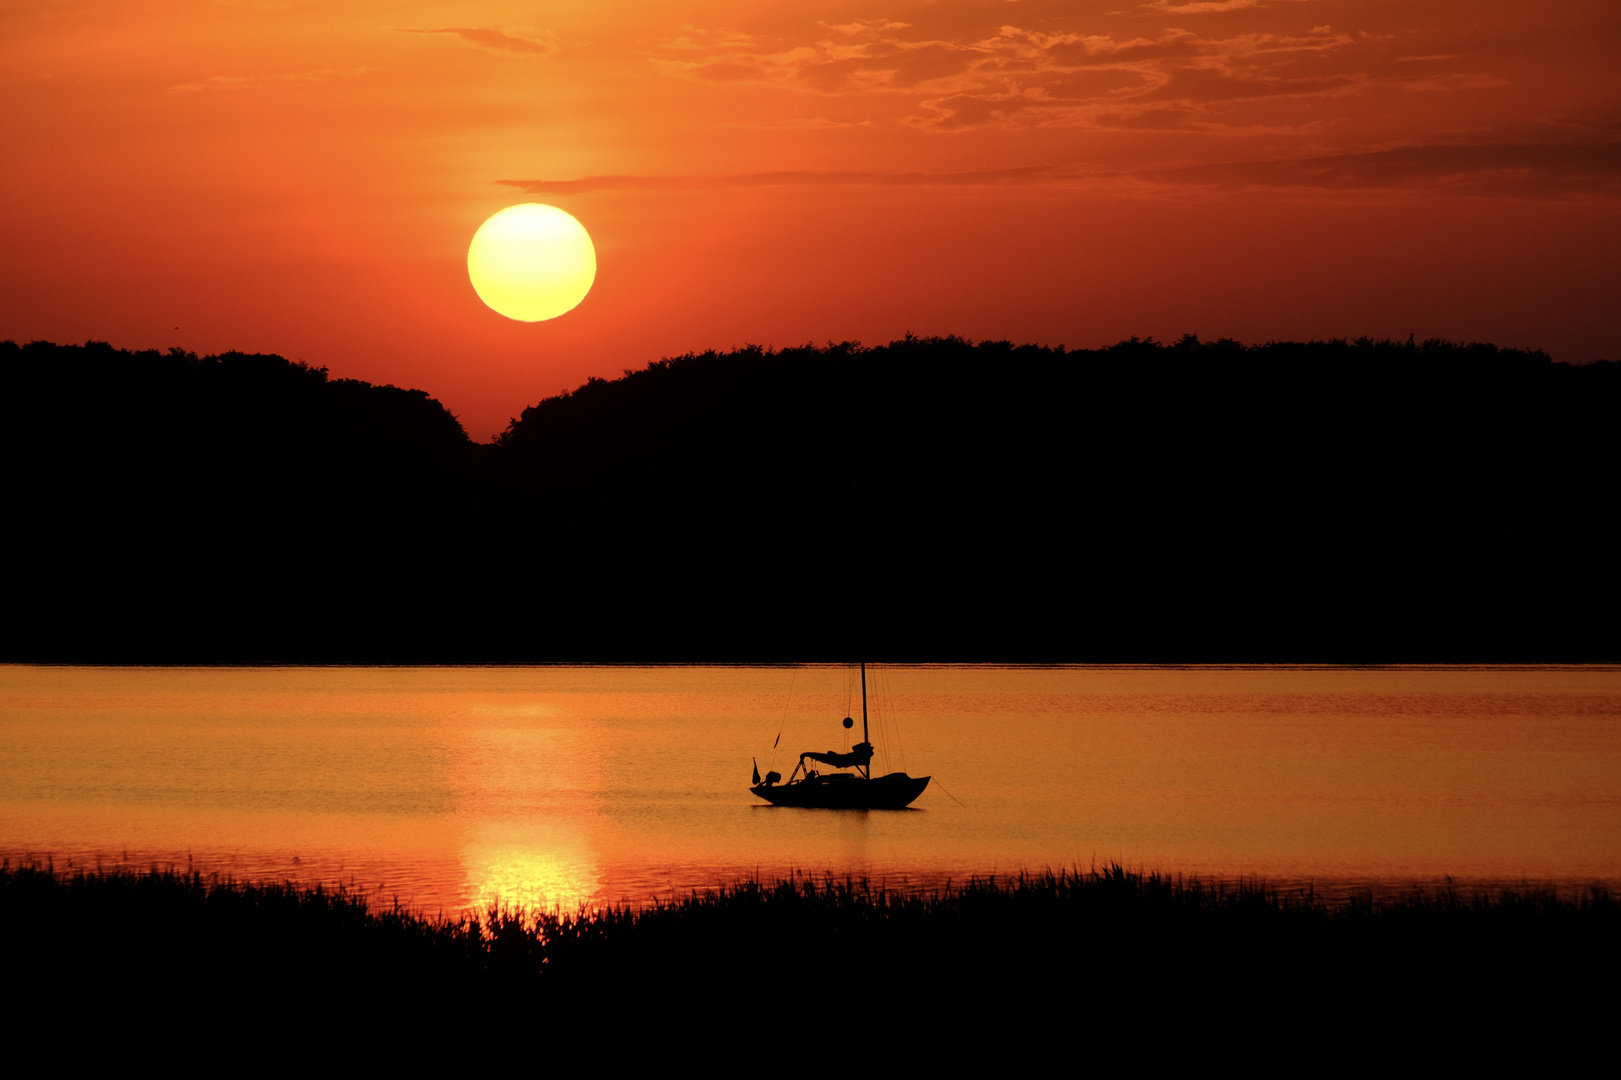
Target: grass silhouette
<point x="981" y="965"/>
<point x="160" y="917"/>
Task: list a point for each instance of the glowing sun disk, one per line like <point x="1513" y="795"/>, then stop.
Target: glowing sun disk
<point x="531" y="262"/>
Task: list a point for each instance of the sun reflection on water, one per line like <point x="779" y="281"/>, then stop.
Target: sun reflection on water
<point x="533" y="878"/>
<point x="452" y="790"/>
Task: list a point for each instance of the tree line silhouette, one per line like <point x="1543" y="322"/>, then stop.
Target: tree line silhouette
<point x="929" y="499"/>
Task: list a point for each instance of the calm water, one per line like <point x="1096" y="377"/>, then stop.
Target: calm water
<point x="450" y="787"/>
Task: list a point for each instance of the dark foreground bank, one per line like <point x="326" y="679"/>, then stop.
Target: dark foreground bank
<point x="1116" y="953"/>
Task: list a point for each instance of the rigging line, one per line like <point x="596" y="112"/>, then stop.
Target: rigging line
<point x="936" y="782"/>
<point x="900" y="747"/>
<point x="881" y="713"/>
<point x="784" y="723"/>
<point x="900" y="743"/>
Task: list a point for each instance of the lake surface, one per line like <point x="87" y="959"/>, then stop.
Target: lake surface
<point x="451" y="788"/>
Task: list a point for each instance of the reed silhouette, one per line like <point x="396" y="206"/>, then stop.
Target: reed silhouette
<point x="1129" y="953"/>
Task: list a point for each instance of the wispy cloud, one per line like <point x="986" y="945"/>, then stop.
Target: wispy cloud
<point x="1019" y="77"/>
<point x="1200" y="7"/>
<point x="866" y="27"/>
<point x="1189" y="68"/>
<point x="1519" y="170"/>
<point x="260" y="82"/>
<point x="1453" y="83"/>
<point x="1037" y="174"/>
<point x="700" y="39"/>
<point x="1205" y="7"/>
<point x="867" y="56"/>
<point x="1534" y="170"/>
<point x="801" y="123"/>
<point x="495" y="39"/>
<point x="1173" y="79"/>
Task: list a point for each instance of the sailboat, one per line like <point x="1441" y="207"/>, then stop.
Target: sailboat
<point x="857" y="790"/>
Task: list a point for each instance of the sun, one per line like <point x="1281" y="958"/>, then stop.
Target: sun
<point x="531" y="262"/>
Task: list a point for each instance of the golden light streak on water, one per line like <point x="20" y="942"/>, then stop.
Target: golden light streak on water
<point x="535" y="870"/>
<point x="452" y="789"/>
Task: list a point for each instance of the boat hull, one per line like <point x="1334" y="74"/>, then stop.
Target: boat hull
<point x="895" y="791"/>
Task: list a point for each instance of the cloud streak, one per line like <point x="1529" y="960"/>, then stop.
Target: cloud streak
<point x="1207" y="7"/>
<point x="1527" y="170"/>
<point x="1017" y="77"/>
<point x="260" y="82"/>
<point x="1035" y="174"/>
<point x="1200" y="7"/>
<point x="494" y="39"/>
<point x="1523" y="170"/>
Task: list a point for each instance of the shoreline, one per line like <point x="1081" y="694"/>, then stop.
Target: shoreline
<point x="1198" y="891"/>
<point x="993" y="964"/>
<point x="1330" y="891"/>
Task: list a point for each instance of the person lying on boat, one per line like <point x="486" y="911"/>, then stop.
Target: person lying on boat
<point x="860" y="754"/>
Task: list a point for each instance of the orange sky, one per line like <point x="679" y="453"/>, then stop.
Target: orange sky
<point x="304" y="178"/>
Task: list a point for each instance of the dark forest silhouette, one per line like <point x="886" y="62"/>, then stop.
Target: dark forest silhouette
<point x="1203" y="501"/>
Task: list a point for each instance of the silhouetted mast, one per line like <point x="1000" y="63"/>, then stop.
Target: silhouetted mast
<point x="861" y="608"/>
<point x="864" y="736"/>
